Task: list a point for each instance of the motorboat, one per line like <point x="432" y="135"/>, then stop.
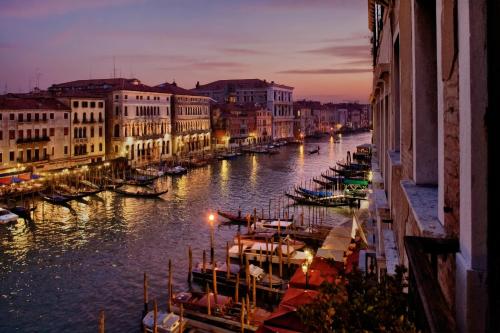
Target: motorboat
<point x="7" y="216"/>
<point x="166" y="322"/>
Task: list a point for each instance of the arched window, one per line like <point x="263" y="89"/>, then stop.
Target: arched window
<point x="116" y="132"/>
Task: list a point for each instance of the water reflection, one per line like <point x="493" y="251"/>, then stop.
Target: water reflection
<point x="57" y="273"/>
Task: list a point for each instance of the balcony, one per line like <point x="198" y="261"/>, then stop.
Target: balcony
<point x="81" y="140"/>
<point x="148" y="136"/>
<point x="21" y="141"/>
<point x="428" y="306"/>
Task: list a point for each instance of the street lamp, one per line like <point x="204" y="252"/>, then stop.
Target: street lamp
<point x="306" y="264"/>
<point x="211" y="219"/>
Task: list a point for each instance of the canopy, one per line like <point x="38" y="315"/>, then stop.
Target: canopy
<point x="295" y="297"/>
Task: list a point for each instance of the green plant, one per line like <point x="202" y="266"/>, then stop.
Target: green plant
<point x="360" y="303"/>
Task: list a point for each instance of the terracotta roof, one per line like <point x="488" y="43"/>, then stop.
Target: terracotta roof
<point x="239" y="84"/>
<point x="228" y="107"/>
<point x="105" y="85"/>
<point x="172" y="88"/>
<point x="20" y="102"/>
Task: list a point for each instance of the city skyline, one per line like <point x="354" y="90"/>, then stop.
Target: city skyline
<point x="322" y="50"/>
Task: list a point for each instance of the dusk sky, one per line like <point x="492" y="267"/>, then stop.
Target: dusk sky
<point x="320" y="47"/>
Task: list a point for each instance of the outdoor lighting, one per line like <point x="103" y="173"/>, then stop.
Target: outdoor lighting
<point x="305" y="268"/>
<point x="211" y="219"/>
<point x="370" y="176"/>
<point x="305" y="265"/>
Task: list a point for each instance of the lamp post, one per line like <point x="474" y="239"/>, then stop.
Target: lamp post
<point x="211" y="219"/>
<point x="306" y="264"/>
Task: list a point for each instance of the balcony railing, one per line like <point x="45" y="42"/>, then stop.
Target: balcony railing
<point x="33" y="140"/>
<point x="428" y="305"/>
<point x="81" y="140"/>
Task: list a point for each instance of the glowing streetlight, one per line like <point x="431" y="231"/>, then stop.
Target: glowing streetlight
<point x="211" y="219"/>
<point x="305" y="265"/>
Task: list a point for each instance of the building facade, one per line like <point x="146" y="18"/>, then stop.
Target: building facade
<point x="264" y="125"/>
<point x="235" y="125"/>
<point x="137" y="117"/>
<point x="191" y="120"/>
<point x="275" y="97"/>
<point x="34" y="132"/>
<point x="87" y="131"/>
<point x="435" y="66"/>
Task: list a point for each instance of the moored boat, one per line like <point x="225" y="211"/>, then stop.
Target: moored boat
<point x="166" y="322"/>
<point x="7" y="216"/>
<point x="140" y="193"/>
<point x="234" y="218"/>
<point x="55" y="198"/>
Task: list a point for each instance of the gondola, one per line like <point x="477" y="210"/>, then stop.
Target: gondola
<point x="176" y="171"/>
<point x="55" y="199"/>
<point x="349" y="173"/>
<point x="328" y="183"/>
<point x="314" y="151"/>
<point x="23" y="212"/>
<point x="140" y="193"/>
<point x="313" y="194"/>
<point x="355" y="166"/>
<point x="336" y="201"/>
<point x="238" y="219"/>
<point x="140" y="180"/>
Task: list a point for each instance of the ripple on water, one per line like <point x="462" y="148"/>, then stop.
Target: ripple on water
<point x="57" y="273"/>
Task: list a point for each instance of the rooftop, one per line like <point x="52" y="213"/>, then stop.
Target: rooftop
<point x="239" y="84"/>
<point x="25" y="102"/>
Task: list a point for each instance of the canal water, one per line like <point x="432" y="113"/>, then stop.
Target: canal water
<point x="58" y="272"/>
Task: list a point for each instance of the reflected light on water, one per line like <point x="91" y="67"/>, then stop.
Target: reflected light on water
<point x="92" y="255"/>
<point x="253" y="171"/>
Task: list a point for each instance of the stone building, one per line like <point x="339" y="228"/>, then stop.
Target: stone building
<point x="34" y="132"/>
<point x="235" y="125"/>
<point x="87" y="131"/>
<point x="264" y="125"/>
<point x="277" y="98"/>
<point x="190" y="120"/>
<point x="435" y="66"/>
<point x="137" y="117"/>
<point x="306" y="123"/>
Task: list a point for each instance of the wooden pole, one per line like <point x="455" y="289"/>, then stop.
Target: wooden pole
<point x="242" y="317"/>
<point x="101" y="321"/>
<point x="237" y="289"/>
<point x="254" y="219"/>
<point x="214" y="278"/>
<point x="280" y="257"/>
<point x="190" y="268"/>
<point x="169" y="285"/>
<point x="209" y="309"/>
<point x="254" y="291"/>
<point x="248" y="224"/>
<point x="181" y="317"/>
<point x="288" y="254"/>
<point x="240" y="249"/>
<point x="155" y="317"/>
<point x="204" y="265"/>
<point x="248" y="310"/>
<point x="145" y="292"/>
<point x="247" y="275"/>
<point x="228" y="263"/>
<point x="260" y="257"/>
<point x="271" y="272"/>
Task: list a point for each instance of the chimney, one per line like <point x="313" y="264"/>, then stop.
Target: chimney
<point x="197" y="84"/>
<point x="174" y="83"/>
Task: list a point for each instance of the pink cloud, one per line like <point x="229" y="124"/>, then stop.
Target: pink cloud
<point x="36" y="8"/>
<point x="327" y="71"/>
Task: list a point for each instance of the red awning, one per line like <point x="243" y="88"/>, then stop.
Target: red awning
<point x="295" y="297"/>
